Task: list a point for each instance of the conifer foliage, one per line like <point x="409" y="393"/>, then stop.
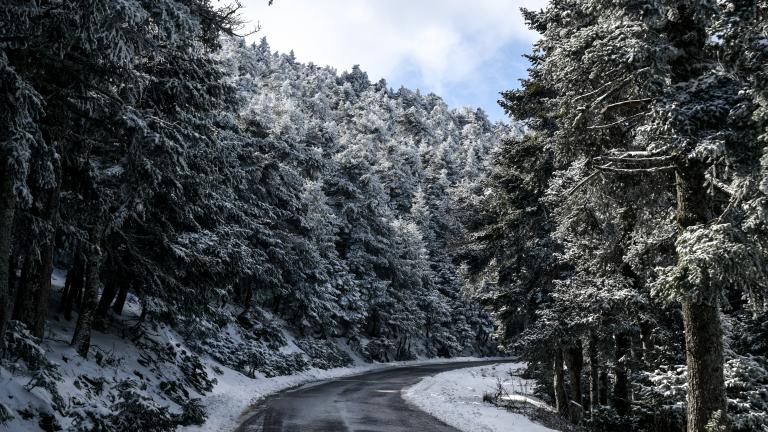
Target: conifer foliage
<point x="219" y="188"/>
<point x="624" y="224"/>
<point x="225" y="191"/>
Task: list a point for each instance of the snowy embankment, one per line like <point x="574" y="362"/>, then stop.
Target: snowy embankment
<point x="456" y="397"/>
<point x="145" y="375"/>
<point x="230" y="401"/>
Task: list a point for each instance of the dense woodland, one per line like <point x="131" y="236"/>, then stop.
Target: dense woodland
<point x="612" y="235"/>
<point x="623" y="244"/>
<point x="191" y="172"/>
<point x="230" y="193"/>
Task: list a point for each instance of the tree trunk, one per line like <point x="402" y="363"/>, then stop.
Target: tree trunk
<point x="558" y="382"/>
<point x="603" y="387"/>
<point x="72" y="286"/>
<point x="34" y="289"/>
<point x="108" y="295"/>
<point x="22" y="303"/>
<point x="81" y="340"/>
<point x="67" y="287"/>
<point x="636" y="349"/>
<point x="646" y="337"/>
<point x="276" y="303"/>
<point x="701" y="317"/>
<point x="594" y="374"/>
<point x="704" y="348"/>
<point x="575" y="360"/>
<point x="122" y="295"/>
<point x="12" y="275"/>
<point x="621" y="396"/>
<point x="41" y="279"/>
<point x="7" y="208"/>
<point x="42" y="293"/>
<point x="246" y="293"/>
<point x="401" y="348"/>
<point x="78" y="298"/>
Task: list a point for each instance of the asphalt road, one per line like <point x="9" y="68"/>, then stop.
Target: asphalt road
<point x="368" y="402"/>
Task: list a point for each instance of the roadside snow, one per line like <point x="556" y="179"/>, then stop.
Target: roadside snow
<point x="231" y="399"/>
<point x="88" y="386"/>
<point x="456" y="397"/>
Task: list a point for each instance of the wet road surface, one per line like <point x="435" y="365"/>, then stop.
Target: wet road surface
<point x="368" y="402"/>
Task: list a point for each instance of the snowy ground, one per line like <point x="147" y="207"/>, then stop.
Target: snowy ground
<point x="235" y="393"/>
<point x="83" y="384"/>
<point x="456" y="397"/>
<point x="88" y="386"/>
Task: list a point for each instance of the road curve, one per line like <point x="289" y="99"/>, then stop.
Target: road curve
<point x="369" y="402"/>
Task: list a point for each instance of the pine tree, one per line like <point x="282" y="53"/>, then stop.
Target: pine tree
<point x="628" y="93"/>
<point x="20" y="108"/>
<point x="91" y="125"/>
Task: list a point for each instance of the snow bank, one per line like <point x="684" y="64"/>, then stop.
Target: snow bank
<point x="456" y="397"/>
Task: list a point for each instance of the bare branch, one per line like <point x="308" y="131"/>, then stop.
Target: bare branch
<point x="720" y="185"/>
<point x="255" y="30"/>
<point x="605" y="126"/>
<point x="625" y="104"/>
<point x="650" y="159"/>
<point x="638" y="154"/>
<point x="613" y="89"/>
<point x="593" y="92"/>
<point x="636" y="170"/>
<point x="735" y="198"/>
<point x="584" y="181"/>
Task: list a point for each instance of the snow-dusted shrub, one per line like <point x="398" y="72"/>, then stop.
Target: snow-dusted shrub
<point x="21" y="345"/>
<point x="606" y="419"/>
<point x="661" y="396"/>
<point x="134" y="411"/>
<point x="175" y="391"/>
<point x="663" y="391"/>
<point x="5" y="413"/>
<point x="192" y="413"/>
<point x="749" y="333"/>
<point x="130" y="410"/>
<point x="667" y="384"/>
<point x="25" y="356"/>
<point x="273" y="364"/>
<point x="247" y="343"/>
<point x="264" y="329"/>
<point x="746" y="383"/>
<point x="324" y="354"/>
<point x="194" y="372"/>
<point x="379" y="349"/>
<point x="49" y="423"/>
<point x="47" y="379"/>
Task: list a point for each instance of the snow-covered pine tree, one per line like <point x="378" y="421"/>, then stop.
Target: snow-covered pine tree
<point x="100" y="78"/>
<point x="21" y="135"/>
<point x="625" y="95"/>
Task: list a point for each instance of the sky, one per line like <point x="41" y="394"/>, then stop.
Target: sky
<point x="466" y="51"/>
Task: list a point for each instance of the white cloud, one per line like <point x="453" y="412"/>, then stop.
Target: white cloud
<point x="444" y="41"/>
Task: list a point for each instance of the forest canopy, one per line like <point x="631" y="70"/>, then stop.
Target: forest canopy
<point x="624" y="237"/>
<point x="204" y="203"/>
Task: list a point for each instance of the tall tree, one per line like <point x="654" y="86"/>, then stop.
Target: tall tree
<point x="20" y="107"/>
<point x="635" y="92"/>
<point x="104" y="73"/>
